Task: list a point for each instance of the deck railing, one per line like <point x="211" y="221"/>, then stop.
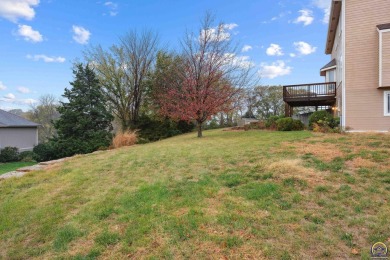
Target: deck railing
<point x="308" y="91"/>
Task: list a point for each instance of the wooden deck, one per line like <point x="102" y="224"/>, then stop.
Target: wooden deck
<point x="315" y="94"/>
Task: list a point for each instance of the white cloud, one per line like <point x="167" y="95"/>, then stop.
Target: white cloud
<point x="243" y="62"/>
<point x="246" y="48"/>
<point x="275" y="18"/>
<point x="15" y="102"/>
<point x="219" y="33"/>
<point x="2" y="86"/>
<point x="274" y="50"/>
<point x="231" y="59"/>
<point x="230" y="26"/>
<point x="113" y="8"/>
<point x="29" y="34"/>
<point x="304" y="48"/>
<point x="306" y="17"/>
<point x="324" y="5"/>
<point x="27" y="101"/>
<point x="275" y="69"/>
<point x="80" y="34"/>
<point x="13" y="10"/>
<point x="292" y="55"/>
<point x="9" y="96"/>
<point x="45" y="58"/>
<point x="23" y="90"/>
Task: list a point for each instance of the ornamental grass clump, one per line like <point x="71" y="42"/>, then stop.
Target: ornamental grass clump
<point x="126" y="138"/>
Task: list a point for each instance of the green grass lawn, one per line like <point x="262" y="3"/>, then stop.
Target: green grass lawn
<point x="236" y="195"/>
<point x="9" y="167"/>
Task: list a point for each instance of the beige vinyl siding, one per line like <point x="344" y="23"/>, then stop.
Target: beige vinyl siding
<point x="363" y="99"/>
<point x="385" y="73"/>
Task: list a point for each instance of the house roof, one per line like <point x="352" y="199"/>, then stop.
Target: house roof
<point x="328" y="66"/>
<point x="10" y="120"/>
<point x="385" y="26"/>
<point x="334" y="18"/>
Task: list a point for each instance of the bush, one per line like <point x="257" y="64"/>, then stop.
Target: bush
<point x="9" y="154"/>
<point x="322" y="115"/>
<point x="270" y="123"/>
<point x="284" y="124"/>
<point x="124" y="139"/>
<point x="26" y="156"/>
<point x="254" y="126"/>
<point x="297" y="125"/>
<point x="322" y="121"/>
<point x="45" y="152"/>
<point x="152" y="129"/>
<point x="289" y="124"/>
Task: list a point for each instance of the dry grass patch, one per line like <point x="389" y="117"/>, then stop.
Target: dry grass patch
<point x="295" y="168"/>
<point x="325" y="151"/>
<point x="359" y="162"/>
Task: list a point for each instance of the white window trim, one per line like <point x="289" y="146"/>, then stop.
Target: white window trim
<point x="385" y="103"/>
<point x="342" y="67"/>
<point x="380" y="54"/>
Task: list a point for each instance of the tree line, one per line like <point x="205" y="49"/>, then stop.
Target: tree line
<point x="138" y="85"/>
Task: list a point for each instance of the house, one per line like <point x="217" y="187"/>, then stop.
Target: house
<point x="357" y="78"/>
<point x="17" y="132"/>
<point x="246" y="121"/>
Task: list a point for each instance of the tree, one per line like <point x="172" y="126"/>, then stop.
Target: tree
<point x="209" y="79"/>
<point x="85" y="123"/>
<point x="17" y="112"/>
<point x="123" y="71"/>
<point x="45" y="113"/>
<point x="268" y="100"/>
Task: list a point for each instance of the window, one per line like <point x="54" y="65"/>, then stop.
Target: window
<point x="386" y="102"/>
<point x="384" y="55"/>
<point x="331" y="76"/>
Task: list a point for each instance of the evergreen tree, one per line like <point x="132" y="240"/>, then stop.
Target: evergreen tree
<point x="85" y="122"/>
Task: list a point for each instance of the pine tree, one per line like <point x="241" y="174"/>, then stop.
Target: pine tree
<point x="85" y="122"/>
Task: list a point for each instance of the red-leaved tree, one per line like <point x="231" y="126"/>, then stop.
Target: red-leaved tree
<point x="209" y="78"/>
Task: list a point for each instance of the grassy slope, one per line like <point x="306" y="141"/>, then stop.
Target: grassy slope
<point x="9" y="167"/>
<point x="231" y="194"/>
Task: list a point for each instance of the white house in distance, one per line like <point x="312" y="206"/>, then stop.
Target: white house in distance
<point x="357" y="79"/>
<point x="16" y="131"/>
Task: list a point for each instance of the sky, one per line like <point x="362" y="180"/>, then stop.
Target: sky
<point x="41" y="39"/>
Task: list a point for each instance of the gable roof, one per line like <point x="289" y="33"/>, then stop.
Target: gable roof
<point x="10" y="120"/>
<point x="330" y="65"/>
<point x="334" y="18"/>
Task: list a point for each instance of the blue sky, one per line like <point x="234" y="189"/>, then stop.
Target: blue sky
<point x="41" y="38"/>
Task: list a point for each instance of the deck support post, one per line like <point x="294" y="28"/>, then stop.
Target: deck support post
<point x="288" y="110"/>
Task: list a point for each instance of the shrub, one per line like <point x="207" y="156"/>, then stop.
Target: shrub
<point x="297" y="125"/>
<point x="152" y="129"/>
<point x="270" y="123"/>
<point x="26" y="156"/>
<point x="289" y="124"/>
<point x="284" y="124"/>
<point x="335" y="122"/>
<point x="9" y="154"/>
<point x="124" y="139"/>
<point x="46" y="152"/>
<point x="254" y="125"/>
<point x="319" y="115"/>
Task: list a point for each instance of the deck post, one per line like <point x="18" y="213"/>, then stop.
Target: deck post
<point x="286" y="110"/>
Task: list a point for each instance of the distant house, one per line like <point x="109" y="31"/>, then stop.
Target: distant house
<point x="357" y="79"/>
<point x="17" y="132"/>
<point x="246" y="121"/>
